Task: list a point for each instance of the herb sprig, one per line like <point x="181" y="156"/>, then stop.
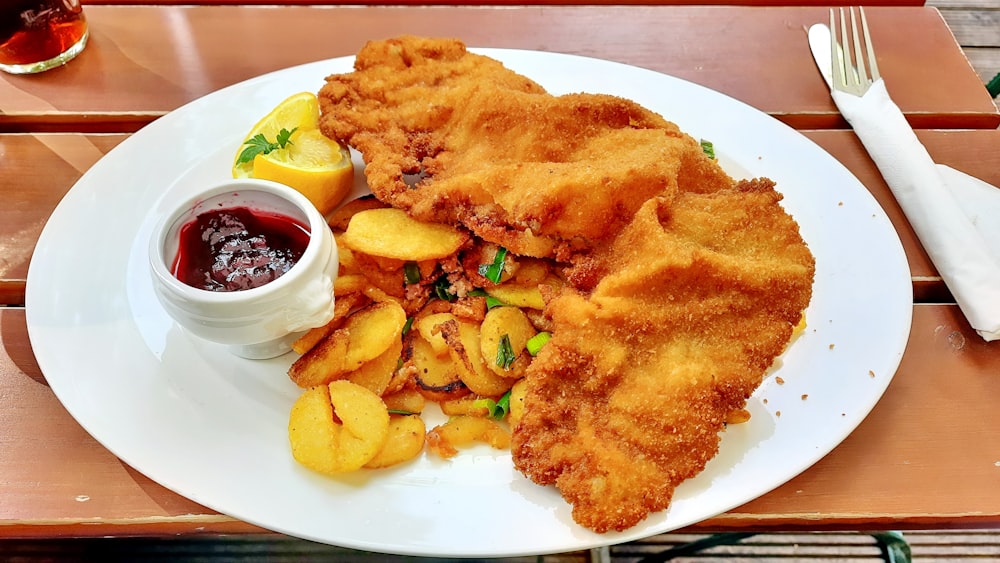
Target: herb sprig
<point x="258" y="144"/>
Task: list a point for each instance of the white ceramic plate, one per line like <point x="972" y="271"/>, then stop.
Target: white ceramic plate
<point x="212" y="427"/>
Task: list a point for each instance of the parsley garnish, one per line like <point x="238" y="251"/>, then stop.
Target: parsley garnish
<point x="258" y="144"/>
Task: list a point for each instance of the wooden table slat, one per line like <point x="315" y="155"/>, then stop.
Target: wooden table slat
<point x="919" y="460"/>
<point x="58" y="481"/>
<point x="63" y="158"/>
<point x="778" y="3"/>
<point x="755" y="55"/>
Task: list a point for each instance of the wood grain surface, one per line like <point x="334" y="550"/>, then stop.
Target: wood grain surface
<point x="60" y="160"/>
<point x="920" y="460"/>
<point x="144" y="61"/>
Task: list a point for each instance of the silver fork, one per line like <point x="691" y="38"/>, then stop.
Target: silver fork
<point x="849" y="71"/>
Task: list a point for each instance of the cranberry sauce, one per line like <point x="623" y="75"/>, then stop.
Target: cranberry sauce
<point x="238" y="248"/>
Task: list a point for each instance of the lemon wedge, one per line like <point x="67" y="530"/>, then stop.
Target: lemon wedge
<point x="318" y="167"/>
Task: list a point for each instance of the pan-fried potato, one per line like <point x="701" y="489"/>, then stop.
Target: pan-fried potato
<point x="364" y="337"/>
<point x="514" y="324"/>
<point x="405" y="401"/>
<point x="390" y="281"/>
<point x="405" y="441"/>
<point x="340" y="218"/>
<point x="517" y="393"/>
<point x="376" y="374"/>
<point x="393" y="266"/>
<point x="351" y="283"/>
<point x="348" y="265"/>
<point x="427" y="327"/>
<point x="437" y="377"/>
<point x="531" y="272"/>
<point x="468" y="406"/>
<point x="320" y="443"/>
<point x="462" y="430"/>
<point x="342" y="307"/>
<point x="466" y="351"/>
<point x="519" y="295"/>
<point x="391" y="233"/>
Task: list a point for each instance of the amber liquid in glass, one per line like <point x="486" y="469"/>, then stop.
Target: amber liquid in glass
<point x="33" y="31"/>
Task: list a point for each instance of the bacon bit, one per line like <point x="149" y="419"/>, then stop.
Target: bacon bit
<point x="779" y="380"/>
<point x="777" y="413"/>
<point x="805" y="396"/>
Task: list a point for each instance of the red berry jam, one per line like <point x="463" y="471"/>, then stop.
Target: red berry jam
<point x="238" y="248"/>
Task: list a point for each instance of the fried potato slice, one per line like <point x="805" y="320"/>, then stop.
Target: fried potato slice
<point x="465" y="406"/>
<point x="404" y="442"/>
<point x="436" y="376"/>
<point x="466" y="351"/>
<point x="463" y="430"/>
<point x="391" y="233"/>
<point x="405" y="401"/>
<point x="512" y="323"/>
<point x="376" y="374"/>
<point x="340" y="218"/>
<point x="321" y="443"/>
<point x="427" y="326"/>
<point x="351" y="283"/>
<point x="529" y="296"/>
<point x="517" y="394"/>
<point x="342" y="307"/>
<point x="364" y="337"/>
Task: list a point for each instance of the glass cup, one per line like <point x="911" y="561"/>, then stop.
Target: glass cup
<point x="37" y="35"/>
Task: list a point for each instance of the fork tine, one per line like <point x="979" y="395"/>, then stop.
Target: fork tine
<point x="859" y="61"/>
<point x="835" y="56"/>
<point x="872" y="64"/>
<point x="849" y="72"/>
<point x="850" y="76"/>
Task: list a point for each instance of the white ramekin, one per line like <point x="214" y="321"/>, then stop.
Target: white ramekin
<point x="255" y="323"/>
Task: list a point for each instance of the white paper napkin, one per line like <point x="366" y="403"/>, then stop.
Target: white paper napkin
<point x="955" y="216"/>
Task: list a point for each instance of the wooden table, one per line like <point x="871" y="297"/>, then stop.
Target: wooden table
<point x="924" y="458"/>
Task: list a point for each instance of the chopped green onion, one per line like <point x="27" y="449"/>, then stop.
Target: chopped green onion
<point x="411" y="273"/>
<point x="491" y="301"/>
<point x="535" y="343"/>
<point x="407" y="325"/>
<point x="497" y="409"/>
<point x="505" y="353"/>
<point x="494" y="270"/>
<point x="442" y="289"/>
<point x="708" y="148"/>
<point x="401" y="412"/>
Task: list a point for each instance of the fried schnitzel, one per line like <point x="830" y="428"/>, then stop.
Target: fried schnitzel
<point x="454" y="137"/>
<point x="683" y="285"/>
<point x="628" y="398"/>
